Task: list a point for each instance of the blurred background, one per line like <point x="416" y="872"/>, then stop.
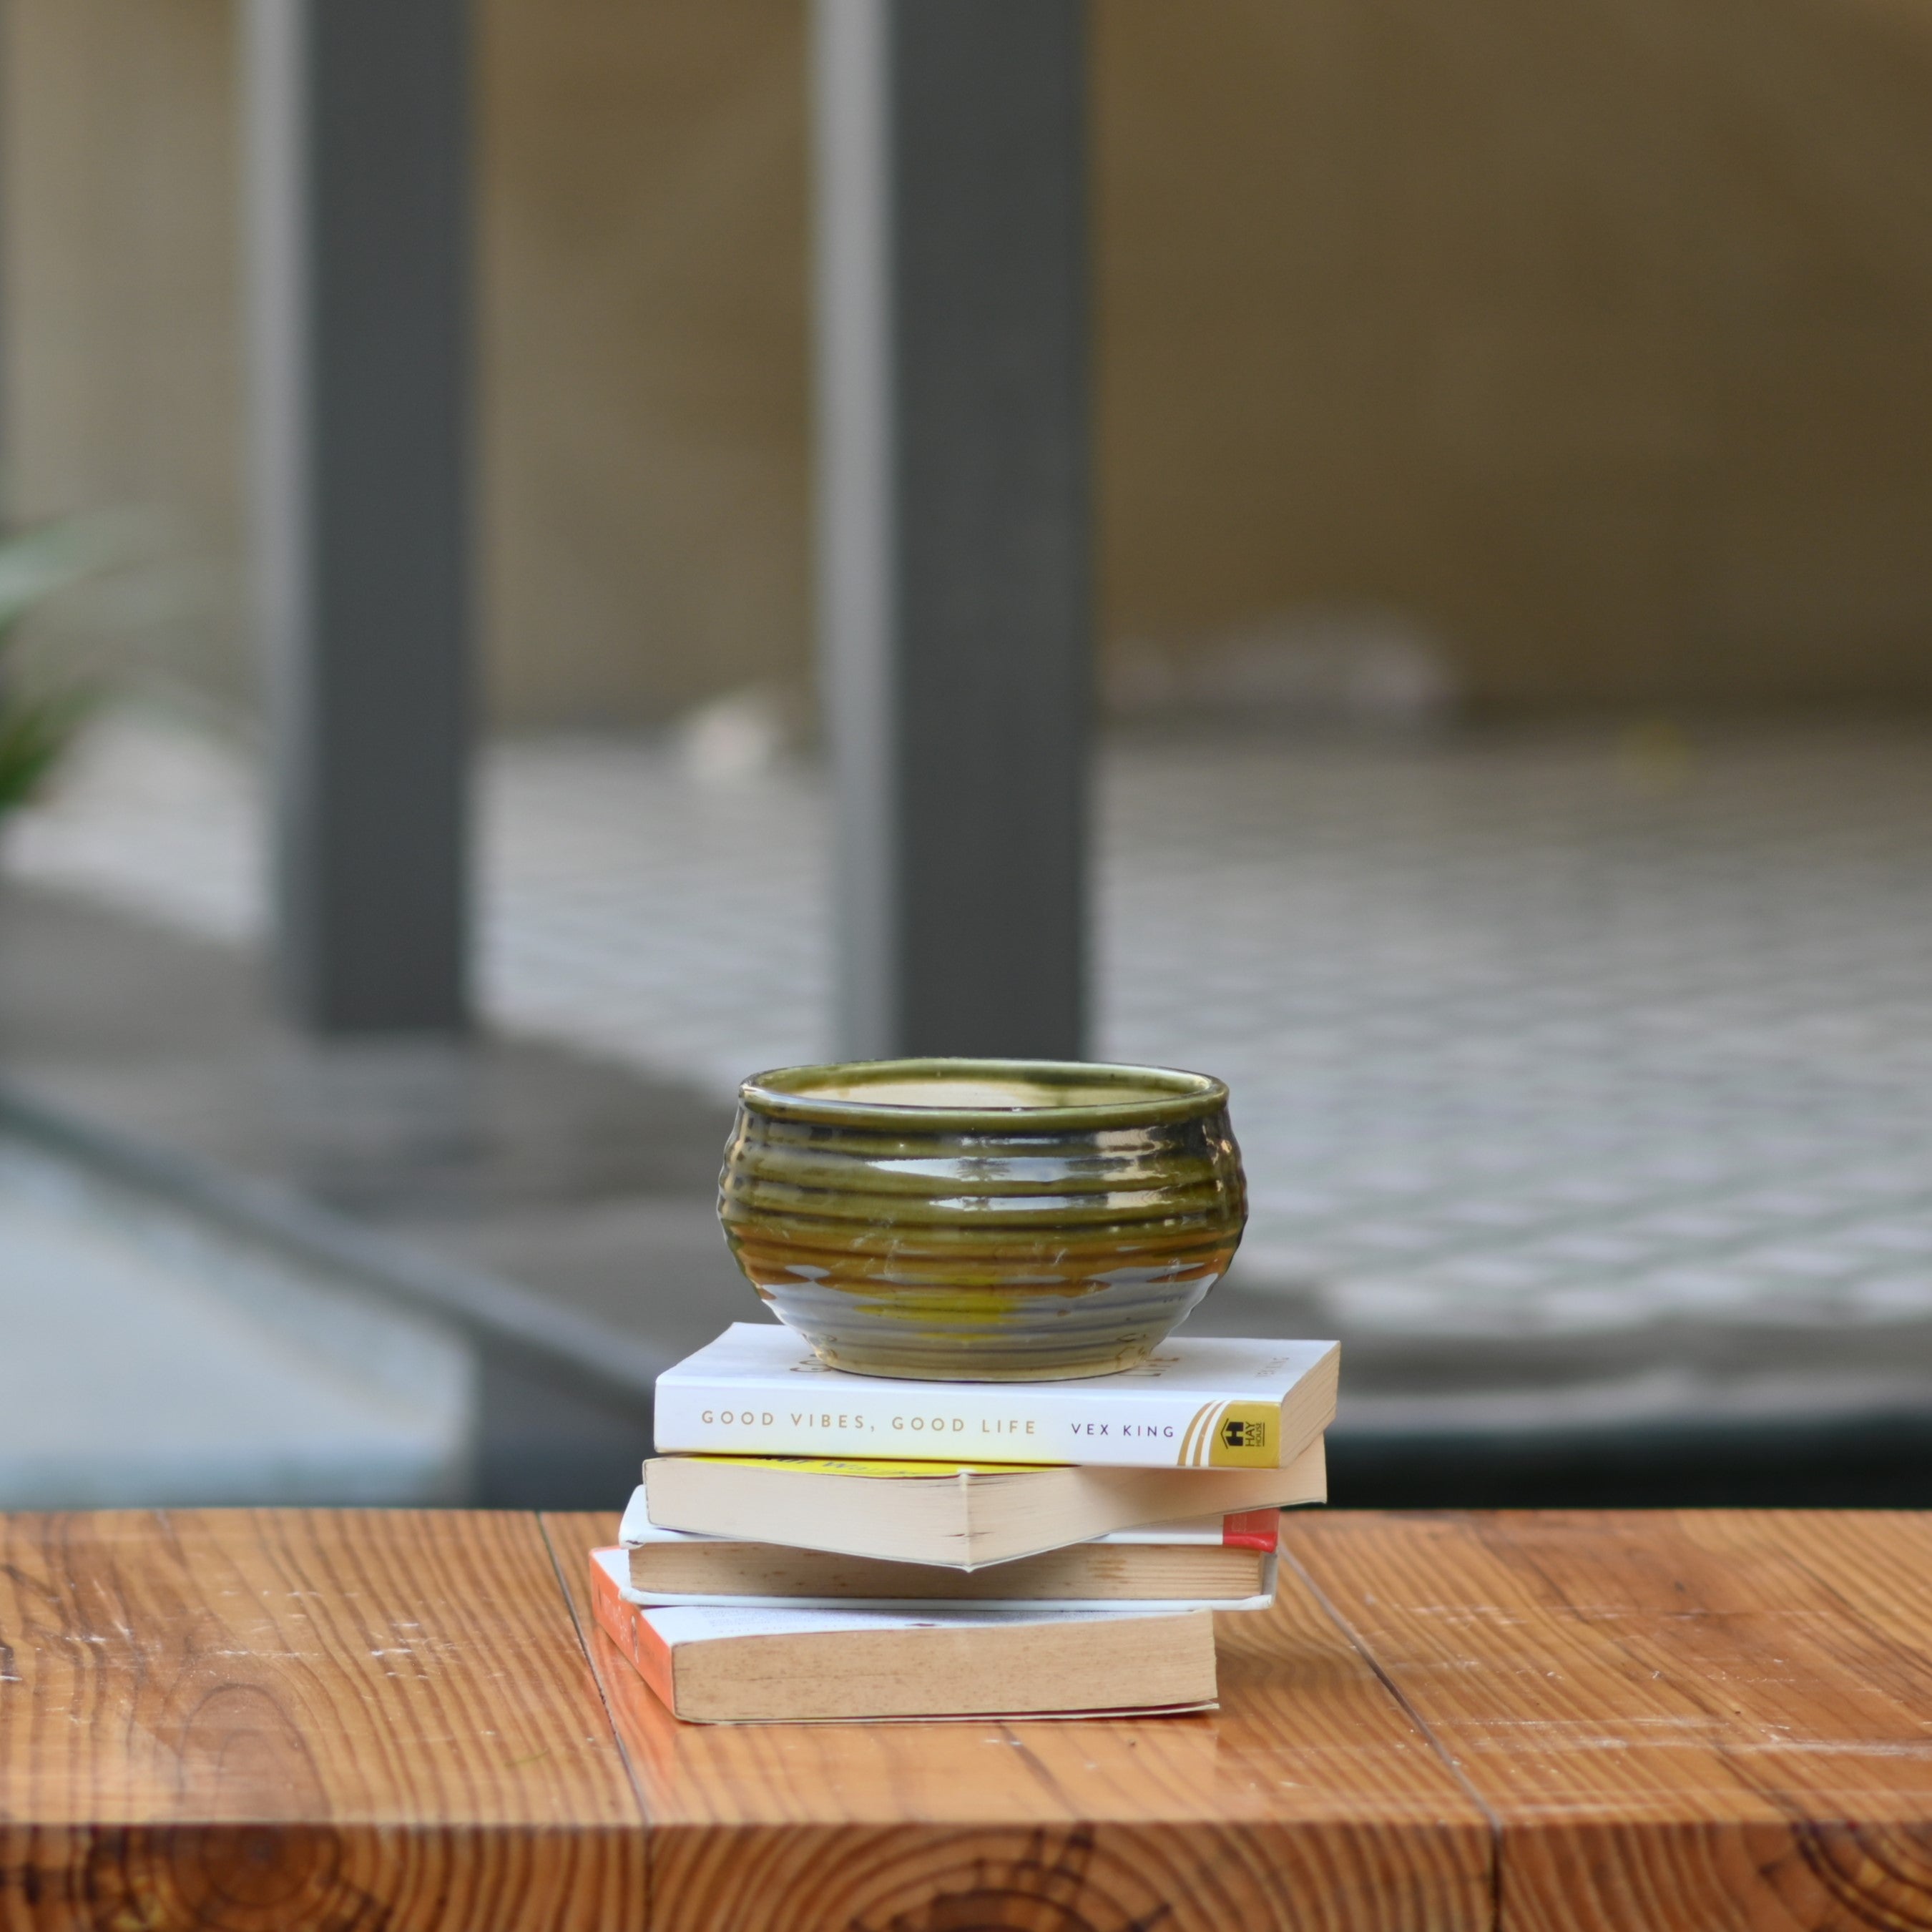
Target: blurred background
<point x="1508" y="442"/>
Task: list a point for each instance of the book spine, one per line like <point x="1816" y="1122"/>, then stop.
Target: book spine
<point x="923" y="1608"/>
<point x="1252" y="1529"/>
<point x="761" y="1415"/>
<point x="630" y="1630"/>
<point x="1242" y="1529"/>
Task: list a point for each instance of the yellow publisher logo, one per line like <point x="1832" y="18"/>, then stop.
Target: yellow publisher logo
<point x="1244" y="1437"/>
<point x="1233" y="1435"/>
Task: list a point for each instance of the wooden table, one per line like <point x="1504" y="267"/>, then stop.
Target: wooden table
<point x="379" y="1721"/>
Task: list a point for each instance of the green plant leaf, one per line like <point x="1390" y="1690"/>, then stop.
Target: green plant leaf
<point x="36" y="729"/>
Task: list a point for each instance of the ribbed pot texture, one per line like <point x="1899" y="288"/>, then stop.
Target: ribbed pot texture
<point x="983" y="1220"/>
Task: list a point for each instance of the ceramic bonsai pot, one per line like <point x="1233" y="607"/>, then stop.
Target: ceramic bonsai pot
<point x="982" y="1219"/>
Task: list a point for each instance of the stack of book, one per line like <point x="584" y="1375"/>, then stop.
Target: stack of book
<point x="808" y="1544"/>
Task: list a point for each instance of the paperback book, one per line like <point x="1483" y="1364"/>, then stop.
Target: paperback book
<point x="1222" y="1562"/>
<point x="1205" y="1403"/>
<point x="963" y="1514"/>
<point x="757" y="1664"/>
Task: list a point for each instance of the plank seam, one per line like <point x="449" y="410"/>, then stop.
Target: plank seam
<point x="609" y="1717"/>
<point x="1491" y="1817"/>
<point x="1800" y="1815"/>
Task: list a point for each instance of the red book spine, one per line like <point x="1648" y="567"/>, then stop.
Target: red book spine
<point x="626" y="1626"/>
<point x="1252" y="1529"/>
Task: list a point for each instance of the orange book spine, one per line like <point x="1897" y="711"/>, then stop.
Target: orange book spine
<point x="626" y="1626"/>
<point x="1252" y="1529"/>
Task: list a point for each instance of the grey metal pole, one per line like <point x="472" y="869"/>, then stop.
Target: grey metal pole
<point x="954" y="570"/>
<point x="358" y="121"/>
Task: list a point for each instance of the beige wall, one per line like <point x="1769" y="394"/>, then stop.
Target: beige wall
<point x="644" y="351"/>
<point x="1591" y="339"/>
<point x="1596" y="334"/>
<point x="118" y="209"/>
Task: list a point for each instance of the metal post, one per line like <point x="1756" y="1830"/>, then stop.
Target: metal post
<point x="953" y="518"/>
<point x="358" y="166"/>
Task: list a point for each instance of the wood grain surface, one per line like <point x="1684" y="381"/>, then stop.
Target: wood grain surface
<point x="379" y="1721"/>
<point x="255" y="1721"/>
<point x="1310" y="1801"/>
<point x="1703" y="1721"/>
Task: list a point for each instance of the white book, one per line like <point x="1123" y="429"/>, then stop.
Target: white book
<point x="636" y="1526"/>
<point x="1222" y="1563"/>
<point x="1199" y="1402"/>
<point x="962" y="1514"/>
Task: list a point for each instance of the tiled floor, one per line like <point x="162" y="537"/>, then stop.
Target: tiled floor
<point x="1534" y="1036"/>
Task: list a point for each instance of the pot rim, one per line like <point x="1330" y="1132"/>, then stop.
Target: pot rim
<point x="1152" y="1095"/>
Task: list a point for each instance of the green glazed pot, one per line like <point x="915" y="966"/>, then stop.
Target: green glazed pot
<point x="969" y="1220"/>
